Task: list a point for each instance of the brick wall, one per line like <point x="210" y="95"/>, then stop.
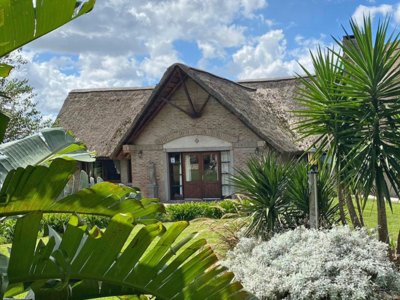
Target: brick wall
<point x="171" y="123"/>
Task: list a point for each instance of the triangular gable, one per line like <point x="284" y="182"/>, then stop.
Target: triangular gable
<point x="237" y="98"/>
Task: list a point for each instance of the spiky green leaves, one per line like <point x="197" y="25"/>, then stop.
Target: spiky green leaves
<point x="353" y="105"/>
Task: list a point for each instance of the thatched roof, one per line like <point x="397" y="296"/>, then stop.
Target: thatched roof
<point x="109" y="118"/>
<point x="256" y="112"/>
<point x="277" y="97"/>
<point x="100" y="117"/>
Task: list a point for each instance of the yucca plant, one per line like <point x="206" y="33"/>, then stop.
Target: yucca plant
<point x="278" y="194"/>
<point x="365" y="78"/>
<point x="299" y="195"/>
<point x="319" y="94"/>
<point x="264" y="183"/>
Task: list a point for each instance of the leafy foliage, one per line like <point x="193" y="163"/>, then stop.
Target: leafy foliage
<point x="339" y="263"/>
<point x="298" y="193"/>
<point x="25" y="118"/>
<point x="192" y="210"/>
<point x="264" y="184"/>
<point x="41" y="148"/>
<point x="153" y="262"/>
<point x="353" y="105"/>
<point x="87" y="263"/>
<point x="278" y="195"/>
<point x="37" y="189"/>
<point x="4" y="119"/>
<point x="56" y="221"/>
<point x="29" y="20"/>
<point x="74" y="264"/>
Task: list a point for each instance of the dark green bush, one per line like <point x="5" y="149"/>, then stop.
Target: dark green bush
<point x="7" y="230"/>
<point x="192" y="210"/>
<point x="175" y="212"/>
<point x="277" y="194"/>
<point x="56" y="221"/>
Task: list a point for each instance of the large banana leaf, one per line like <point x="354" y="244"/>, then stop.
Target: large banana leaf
<point x="25" y="20"/>
<point x="4" y="119"/>
<point x="41" y="148"/>
<point x="36" y="188"/>
<point x="168" y="264"/>
<point x="5" y="70"/>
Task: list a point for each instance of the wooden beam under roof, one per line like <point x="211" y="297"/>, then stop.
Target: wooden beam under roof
<point x="195" y="113"/>
<point x="147" y="118"/>
<point x="204" y="105"/>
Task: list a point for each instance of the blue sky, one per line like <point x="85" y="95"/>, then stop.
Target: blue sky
<point x="132" y="42"/>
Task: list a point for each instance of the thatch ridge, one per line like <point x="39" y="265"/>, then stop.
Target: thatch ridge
<point x="238" y="83"/>
<point x="113" y="89"/>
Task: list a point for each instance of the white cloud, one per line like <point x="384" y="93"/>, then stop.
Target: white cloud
<point x="264" y="58"/>
<point x="53" y="79"/>
<point x="396" y="13"/>
<point x="372" y="11"/>
<point x="268" y="56"/>
<point x="130" y="43"/>
<point x="250" y="6"/>
<point x="129" y="25"/>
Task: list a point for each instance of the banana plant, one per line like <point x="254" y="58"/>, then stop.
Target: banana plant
<point x="135" y="255"/>
<point x="37" y="188"/>
<point x="82" y="264"/>
<point x="41" y="148"/>
<point x="26" y="20"/>
<point x="4" y="119"/>
<point x="125" y="259"/>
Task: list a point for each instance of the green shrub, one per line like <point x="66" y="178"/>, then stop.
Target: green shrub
<point x="192" y="210"/>
<point x="7" y="230"/>
<point x="278" y="195"/>
<point x="56" y="221"/>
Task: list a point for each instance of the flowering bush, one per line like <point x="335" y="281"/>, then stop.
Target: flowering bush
<point x="309" y="264"/>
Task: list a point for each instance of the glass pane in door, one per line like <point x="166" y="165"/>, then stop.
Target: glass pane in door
<point x="192" y="168"/>
<point x="210" y="165"/>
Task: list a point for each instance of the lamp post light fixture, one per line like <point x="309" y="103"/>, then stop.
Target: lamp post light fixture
<point x="313" y="191"/>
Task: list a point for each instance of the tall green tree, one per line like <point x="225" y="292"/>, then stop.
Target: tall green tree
<point x="361" y="130"/>
<point x="18" y="102"/>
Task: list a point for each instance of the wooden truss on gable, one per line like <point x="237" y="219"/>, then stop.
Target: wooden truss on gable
<point x="173" y="85"/>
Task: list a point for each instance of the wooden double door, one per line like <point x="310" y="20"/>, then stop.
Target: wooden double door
<point x="202" y="175"/>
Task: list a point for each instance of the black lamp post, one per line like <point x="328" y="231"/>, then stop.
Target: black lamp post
<point x="313" y="192"/>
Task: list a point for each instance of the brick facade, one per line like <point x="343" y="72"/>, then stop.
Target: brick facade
<point x="171" y="123"/>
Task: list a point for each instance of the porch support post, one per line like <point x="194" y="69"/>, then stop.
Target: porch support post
<point x="124" y="171"/>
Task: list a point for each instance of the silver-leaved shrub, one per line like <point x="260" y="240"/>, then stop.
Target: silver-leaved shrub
<point x="339" y="263"/>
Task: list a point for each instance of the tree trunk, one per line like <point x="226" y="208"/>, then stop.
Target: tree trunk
<point x="360" y="211"/>
<point x="340" y="194"/>
<point x="341" y="202"/>
<point x="352" y="212"/>
<point x="383" y="231"/>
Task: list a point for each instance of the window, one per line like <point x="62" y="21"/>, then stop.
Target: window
<point x="175" y="174"/>
<point x="226" y="173"/>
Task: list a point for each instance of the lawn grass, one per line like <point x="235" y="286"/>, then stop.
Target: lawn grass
<point x="393" y="217"/>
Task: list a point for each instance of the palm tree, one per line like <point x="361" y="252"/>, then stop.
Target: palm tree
<point x="366" y="143"/>
<point x="319" y="94"/>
